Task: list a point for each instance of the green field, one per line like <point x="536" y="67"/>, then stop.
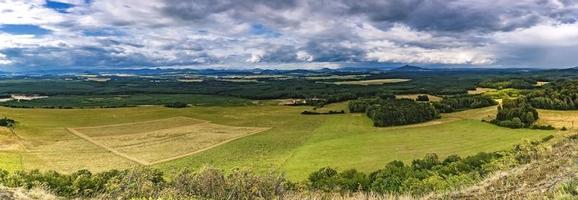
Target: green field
<point x="296" y="144"/>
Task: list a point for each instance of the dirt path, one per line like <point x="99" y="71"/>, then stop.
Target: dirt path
<point x="114" y="151"/>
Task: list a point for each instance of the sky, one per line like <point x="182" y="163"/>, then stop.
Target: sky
<point x="287" y="34"/>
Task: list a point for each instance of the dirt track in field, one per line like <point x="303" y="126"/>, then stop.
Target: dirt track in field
<point x="114" y="151"/>
<point x="98" y="141"/>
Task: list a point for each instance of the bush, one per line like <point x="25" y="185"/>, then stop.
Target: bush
<point x="422" y="98"/>
<point x="176" y="105"/>
<point x="7" y="122"/>
<point x="542" y="127"/>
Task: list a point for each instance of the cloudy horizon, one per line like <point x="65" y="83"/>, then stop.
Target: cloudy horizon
<point x="284" y="34"/>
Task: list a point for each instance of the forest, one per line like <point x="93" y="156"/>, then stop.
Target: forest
<point x="557" y="95"/>
<point x="502" y="83"/>
<point x="391" y="112"/>
<point x="516" y="113"/>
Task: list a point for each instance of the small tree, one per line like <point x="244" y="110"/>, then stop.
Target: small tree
<point x="7" y="122"/>
<point x="422" y="98"/>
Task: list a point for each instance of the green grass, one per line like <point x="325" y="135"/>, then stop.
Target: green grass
<point x="348" y="142"/>
<point x="96" y="101"/>
<point x="10" y="161"/>
<point x="295" y="143"/>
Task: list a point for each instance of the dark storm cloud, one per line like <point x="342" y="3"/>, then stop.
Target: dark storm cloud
<point x="238" y="32"/>
<point x="436" y="15"/>
<point x="200" y="9"/>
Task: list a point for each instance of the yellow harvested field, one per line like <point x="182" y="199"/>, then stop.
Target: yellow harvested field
<point x="137" y="127"/>
<point x="371" y="82"/>
<point x="559" y="118"/>
<point x="157" y="141"/>
<point x="414" y="97"/>
<point x="541" y="83"/>
<point x="481" y="90"/>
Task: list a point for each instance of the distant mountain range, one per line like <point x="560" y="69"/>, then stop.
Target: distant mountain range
<point x="256" y="71"/>
<point x="410" y="68"/>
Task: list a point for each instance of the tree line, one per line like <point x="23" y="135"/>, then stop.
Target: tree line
<point x="463" y="102"/>
<point x="385" y="110"/>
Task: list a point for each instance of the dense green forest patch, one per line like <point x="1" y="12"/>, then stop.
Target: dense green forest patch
<point x="463" y="102"/>
<point x="391" y="112"/>
<point x="115" y="101"/>
<point x="558" y="95"/>
<point x="516" y="113"/>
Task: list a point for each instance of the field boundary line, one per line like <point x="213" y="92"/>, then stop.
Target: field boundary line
<point x="112" y="150"/>
<point x="263" y="129"/>
<point x="141" y="122"/>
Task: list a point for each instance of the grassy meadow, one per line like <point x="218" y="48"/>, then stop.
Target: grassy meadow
<point x="296" y="144"/>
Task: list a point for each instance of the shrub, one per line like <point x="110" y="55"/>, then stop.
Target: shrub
<point x="542" y="127"/>
<point x="422" y="98"/>
<point x="7" y="122"/>
<point x="176" y="105"/>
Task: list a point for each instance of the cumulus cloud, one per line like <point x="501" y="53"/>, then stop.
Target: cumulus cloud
<point x="285" y="33"/>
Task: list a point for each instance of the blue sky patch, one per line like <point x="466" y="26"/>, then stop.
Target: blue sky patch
<point x="23" y="29"/>
<point x="58" y="6"/>
<point x="262" y="30"/>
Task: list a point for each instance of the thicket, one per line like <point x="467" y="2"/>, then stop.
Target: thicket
<point x="176" y="105"/>
<point x="391" y="112"/>
<point x="422" y="98"/>
<point x="331" y="112"/>
<point x="516" y="113"/>
<point x="6" y="122"/>
<point x="207" y="183"/>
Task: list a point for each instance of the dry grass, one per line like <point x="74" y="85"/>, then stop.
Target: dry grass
<point x="152" y="142"/>
<point x="137" y="127"/>
<point x="346" y="196"/>
<point x="554" y="166"/>
<point x="371" y="82"/>
<point x="541" y="83"/>
<point x="414" y="97"/>
<point x="481" y="90"/>
<point x="25" y="194"/>
<point x="559" y="119"/>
